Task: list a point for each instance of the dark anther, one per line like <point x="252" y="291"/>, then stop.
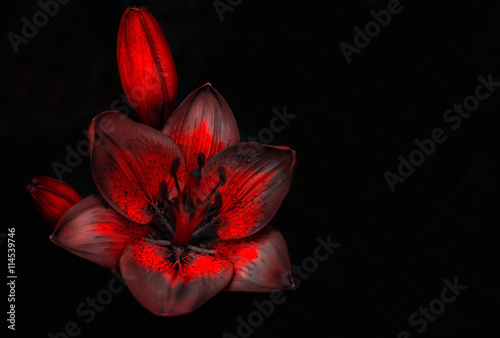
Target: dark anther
<point x="222" y="176"/>
<point x="173" y="172"/>
<point x="163" y="190"/>
<point x="201" y="160"/>
<point x="174" y="167"/>
<point x="217" y="201"/>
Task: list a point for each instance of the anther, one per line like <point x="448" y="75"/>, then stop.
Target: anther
<point x="201" y="160"/>
<point x="174" y="166"/>
<point x="222" y="176"/>
<point x="173" y="172"/>
<point x="217" y="201"/>
<point x="163" y="191"/>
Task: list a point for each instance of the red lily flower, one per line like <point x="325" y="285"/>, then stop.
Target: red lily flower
<point x="185" y="221"/>
<point x="182" y="212"/>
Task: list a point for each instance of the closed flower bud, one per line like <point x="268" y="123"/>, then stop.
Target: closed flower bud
<point x="146" y="66"/>
<point x="51" y="197"/>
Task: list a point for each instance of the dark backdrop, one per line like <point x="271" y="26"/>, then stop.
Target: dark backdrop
<point x="352" y="122"/>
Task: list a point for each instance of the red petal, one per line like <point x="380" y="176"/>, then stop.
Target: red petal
<point x="51" y="197"/>
<point x="94" y="231"/>
<point x="202" y="124"/>
<point x="261" y="262"/>
<point x="257" y="179"/>
<point x="172" y="283"/>
<point x="146" y="66"/>
<point x="129" y="162"/>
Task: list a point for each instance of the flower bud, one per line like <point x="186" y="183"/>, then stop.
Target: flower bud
<point x="146" y="66"/>
<point x="51" y="197"/>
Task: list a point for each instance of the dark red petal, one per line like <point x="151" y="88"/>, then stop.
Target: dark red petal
<point x="261" y="262"/>
<point x="130" y="161"/>
<point x="146" y="66"/>
<point x="257" y="179"/>
<point x="172" y="283"/>
<point x="94" y="231"/>
<point x="202" y="124"/>
<point x="51" y="197"/>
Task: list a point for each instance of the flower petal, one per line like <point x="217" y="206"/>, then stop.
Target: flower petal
<point x="94" y="231"/>
<point x="51" y="197"/>
<point x="202" y="124"/>
<point x="129" y="163"/>
<point x="257" y="178"/>
<point x="172" y="283"/>
<point x="261" y="262"/>
<point x="147" y="70"/>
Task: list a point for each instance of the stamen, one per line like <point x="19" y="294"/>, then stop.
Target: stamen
<point x="186" y="227"/>
<point x="222" y="176"/>
<point x="173" y="172"/>
<point x="162" y="221"/>
<point x="165" y="243"/>
<point x="174" y="166"/>
<point x="201" y="229"/>
<point x="160" y="242"/>
<point x="217" y="201"/>
<point x="202" y="212"/>
<point x="163" y="191"/>
<point x="181" y="227"/>
<point x="222" y="181"/>
<point x="216" y="206"/>
<point x="200" y="250"/>
<point x="201" y="160"/>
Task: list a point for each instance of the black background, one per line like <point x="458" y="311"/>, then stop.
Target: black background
<point x="353" y="121"/>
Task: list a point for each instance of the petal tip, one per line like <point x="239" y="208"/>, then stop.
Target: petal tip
<point x="30" y="186"/>
<point x="288" y="281"/>
<point x="37" y="180"/>
<point x="292" y="153"/>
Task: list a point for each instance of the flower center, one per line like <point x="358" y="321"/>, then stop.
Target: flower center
<point x="179" y="218"/>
